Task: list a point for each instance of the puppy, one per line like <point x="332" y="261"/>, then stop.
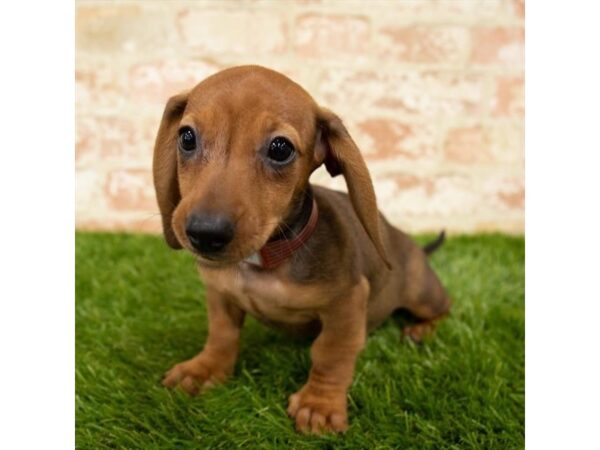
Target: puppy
<point x="232" y="162"/>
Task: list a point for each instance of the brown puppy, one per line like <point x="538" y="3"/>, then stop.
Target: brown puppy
<point x="232" y="161"/>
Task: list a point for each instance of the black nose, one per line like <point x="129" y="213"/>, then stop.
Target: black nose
<point x="209" y="233"/>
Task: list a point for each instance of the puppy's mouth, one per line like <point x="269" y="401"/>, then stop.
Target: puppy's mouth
<point x="214" y="260"/>
<point x="230" y="257"/>
<point x="225" y="259"/>
<point x="217" y="263"/>
<point x="210" y="262"/>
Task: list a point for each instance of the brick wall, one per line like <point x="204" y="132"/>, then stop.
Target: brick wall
<point x="432" y="91"/>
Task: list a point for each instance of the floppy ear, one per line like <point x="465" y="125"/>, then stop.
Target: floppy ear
<point x="340" y="154"/>
<point x="164" y="165"/>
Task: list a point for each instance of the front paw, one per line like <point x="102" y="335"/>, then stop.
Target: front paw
<point x="319" y="410"/>
<point x="195" y="375"/>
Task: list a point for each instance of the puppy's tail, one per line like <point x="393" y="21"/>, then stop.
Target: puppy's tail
<point x="434" y="245"/>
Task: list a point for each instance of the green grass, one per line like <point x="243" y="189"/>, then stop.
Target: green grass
<point x="139" y="310"/>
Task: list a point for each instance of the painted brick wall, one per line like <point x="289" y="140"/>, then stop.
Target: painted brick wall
<point x="431" y="90"/>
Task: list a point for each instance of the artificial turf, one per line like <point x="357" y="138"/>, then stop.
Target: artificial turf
<point x="140" y="309"/>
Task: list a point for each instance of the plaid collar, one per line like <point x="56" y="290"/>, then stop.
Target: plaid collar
<point x="273" y="253"/>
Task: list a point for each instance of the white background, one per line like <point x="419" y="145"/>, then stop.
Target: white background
<point x="562" y="225"/>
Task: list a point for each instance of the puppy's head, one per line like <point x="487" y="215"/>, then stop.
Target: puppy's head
<point x="232" y="159"/>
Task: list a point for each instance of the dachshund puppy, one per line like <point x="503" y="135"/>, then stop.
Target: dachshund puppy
<point x="232" y="162"/>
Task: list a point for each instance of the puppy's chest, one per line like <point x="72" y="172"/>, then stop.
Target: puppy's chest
<point x="266" y="296"/>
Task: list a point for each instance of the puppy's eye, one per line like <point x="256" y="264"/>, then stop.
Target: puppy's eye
<point x="187" y="139"/>
<point x="280" y="150"/>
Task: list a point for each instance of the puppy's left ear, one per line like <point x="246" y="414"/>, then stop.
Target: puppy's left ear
<point x="336" y="149"/>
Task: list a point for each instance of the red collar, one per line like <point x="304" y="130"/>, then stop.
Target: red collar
<point x="273" y="253"/>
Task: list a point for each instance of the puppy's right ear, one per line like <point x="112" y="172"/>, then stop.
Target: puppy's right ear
<point x="336" y="149"/>
<point x="164" y="165"/>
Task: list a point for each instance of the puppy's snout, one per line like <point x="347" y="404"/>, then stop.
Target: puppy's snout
<point x="209" y="233"/>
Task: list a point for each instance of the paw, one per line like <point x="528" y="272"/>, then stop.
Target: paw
<point x="417" y="332"/>
<point x="318" y="412"/>
<point x="194" y="375"/>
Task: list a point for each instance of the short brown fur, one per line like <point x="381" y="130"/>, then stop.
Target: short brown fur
<point x="353" y="272"/>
